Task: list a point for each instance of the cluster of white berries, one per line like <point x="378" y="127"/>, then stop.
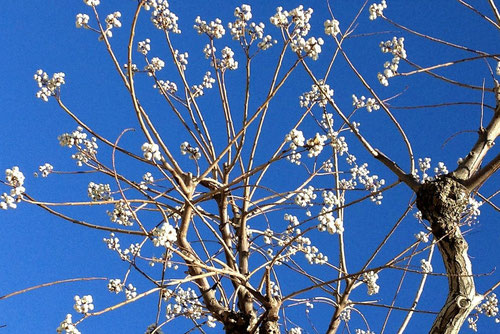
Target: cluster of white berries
<point x="295" y="330"/>
<point x="208" y="81"/>
<point x="15" y="179"/>
<point x="45" y="169"/>
<point x="377" y="10"/>
<point x="166" y="87"/>
<point x="498" y="68"/>
<point x="121" y="214"/>
<point x="144" y="46"/>
<point x="214" y="29"/>
<point x="48" y="86"/>
<point x="82" y="21"/>
<point x="99" y="192"/>
<point x="370" y="104"/>
<point x="327" y="221"/>
<point x="426" y="266"/>
<point x="227" y="60"/>
<point x="155" y="65"/>
<point x="370" y="182"/>
<point x="332" y="27"/>
<point x="424" y="165"/>
<point x="146" y="179"/>
<point x="315" y="145"/>
<point x="151" y="151"/>
<point x="67" y="326"/>
<point x="422" y="236"/>
<point x="186" y="303"/>
<point x="92" y="2"/>
<point x="241" y="26"/>
<point x="397" y="48"/>
<point x="164" y="236"/>
<point x="115" y="285"/>
<point x="360" y="331"/>
<point x="161" y="16"/>
<point x="83" y="305"/>
<point x="472" y="210"/>
<point x="130" y="291"/>
<point x="370" y="279"/>
<point x="112" y="21"/>
<point x="87" y="148"/>
<point x="305" y="197"/>
<point x="311" y="47"/>
<point x="194" y="152"/>
<point x="318" y="94"/>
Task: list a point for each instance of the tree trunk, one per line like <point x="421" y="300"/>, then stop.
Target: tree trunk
<point x="442" y="202"/>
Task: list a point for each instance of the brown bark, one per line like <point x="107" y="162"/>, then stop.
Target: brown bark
<point x="442" y="202"/>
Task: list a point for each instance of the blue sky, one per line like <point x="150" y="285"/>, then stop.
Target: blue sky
<point x="37" y="247"/>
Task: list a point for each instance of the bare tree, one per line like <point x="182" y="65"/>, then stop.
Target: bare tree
<point x="256" y="223"/>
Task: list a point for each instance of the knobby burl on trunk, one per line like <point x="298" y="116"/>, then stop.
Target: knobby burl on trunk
<point x="442" y="202"/>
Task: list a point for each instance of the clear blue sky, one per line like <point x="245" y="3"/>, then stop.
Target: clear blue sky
<point x="36" y="247"/>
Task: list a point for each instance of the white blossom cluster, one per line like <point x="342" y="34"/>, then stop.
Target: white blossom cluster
<point x="318" y="94"/>
<point x="370" y="104"/>
<point x="377" y="10"/>
<point x="67" y="326"/>
<point x="214" y="29"/>
<point x="82" y="21"/>
<point x="48" y="86"/>
<point x="305" y="197"/>
<point x="121" y="214"/>
<point x="87" y="148"/>
<point x="45" y="169"/>
<point x="155" y="65"/>
<point x="144" y="46"/>
<point x="332" y="27"/>
<point x="15" y="179"/>
<point x="161" y="16"/>
<point x="194" y="152"/>
<point x="115" y="285"/>
<point x="151" y="151"/>
<point x="370" y="279"/>
<point x="426" y="266"/>
<point x="186" y="303"/>
<point x="83" y="305"/>
<point x="99" y="192"/>
<point x="164" y="236"/>
<point x="397" y="48"/>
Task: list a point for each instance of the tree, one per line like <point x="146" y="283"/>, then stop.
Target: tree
<point x="268" y="211"/>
